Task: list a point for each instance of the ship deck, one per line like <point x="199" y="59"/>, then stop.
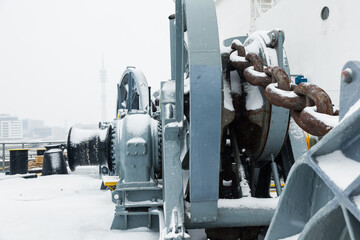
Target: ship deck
<point x="60" y="207"/>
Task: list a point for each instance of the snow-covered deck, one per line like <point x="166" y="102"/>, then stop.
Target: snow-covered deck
<point x="59" y="207"/>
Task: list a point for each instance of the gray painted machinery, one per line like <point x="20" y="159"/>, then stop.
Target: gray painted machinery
<point x="204" y="154"/>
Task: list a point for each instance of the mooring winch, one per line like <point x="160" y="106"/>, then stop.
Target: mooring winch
<point x="205" y="156"/>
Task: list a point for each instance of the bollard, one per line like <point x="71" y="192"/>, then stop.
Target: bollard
<point x="40" y="152"/>
<point x="18" y="161"/>
<point x="53" y="146"/>
<point x="39" y="158"/>
<point x="54" y="162"/>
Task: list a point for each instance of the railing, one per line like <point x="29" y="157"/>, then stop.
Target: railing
<point x="31" y="145"/>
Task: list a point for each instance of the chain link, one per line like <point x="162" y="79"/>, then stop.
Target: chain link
<point x="310" y="106"/>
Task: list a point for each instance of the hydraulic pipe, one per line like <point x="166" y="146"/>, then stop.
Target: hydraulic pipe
<point x="276" y="176"/>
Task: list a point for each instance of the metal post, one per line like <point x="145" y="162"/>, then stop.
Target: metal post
<point x="279" y="47"/>
<point x="3" y="158"/>
<point x="173" y="189"/>
<point x="179" y="61"/>
<point x="130" y="89"/>
<point x="23" y="145"/>
<point x="172" y="44"/>
<point x="150" y="103"/>
<point x="276" y="176"/>
<point x="118" y="104"/>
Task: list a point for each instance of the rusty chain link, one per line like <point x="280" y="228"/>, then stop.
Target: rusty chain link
<point x="310" y="106"/>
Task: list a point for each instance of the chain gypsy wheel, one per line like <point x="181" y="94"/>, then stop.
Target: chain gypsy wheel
<point x="260" y="126"/>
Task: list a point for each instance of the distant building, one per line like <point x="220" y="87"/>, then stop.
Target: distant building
<point x="29" y="125"/>
<point x="10" y="127"/>
<point x="58" y="133"/>
<point x="41" y="133"/>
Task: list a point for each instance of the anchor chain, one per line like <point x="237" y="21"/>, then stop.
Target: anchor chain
<point x="310" y="106"/>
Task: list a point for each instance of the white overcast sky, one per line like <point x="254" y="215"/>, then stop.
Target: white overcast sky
<point x="50" y="54"/>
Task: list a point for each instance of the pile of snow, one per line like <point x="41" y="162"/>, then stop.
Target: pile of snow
<point x="224" y="49"/>
<point x="254" y="99"/>
<point x="340" y="169"/>
<point x="79" y="135"/>
<point x="249" y="202"/>
<point x="293" y="237"/>
<point x="273" y="88"/>
<point x="329" y="120"/>
<point x="228" y="104"/>
<point x="356" y="200"/>
<point x="234" y="57"/>
<point x="235" y="82"/>
<point x="353" y="108"/>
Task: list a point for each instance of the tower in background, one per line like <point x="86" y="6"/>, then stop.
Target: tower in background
<point x="103" y="76"/>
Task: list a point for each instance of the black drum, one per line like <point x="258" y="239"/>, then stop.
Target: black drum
<point x="88" y="147"/>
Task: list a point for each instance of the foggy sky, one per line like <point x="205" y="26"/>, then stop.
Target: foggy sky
<point x="50" y="54"/>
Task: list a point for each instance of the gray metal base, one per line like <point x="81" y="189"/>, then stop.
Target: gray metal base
<point x="137" y="207"/>
<point x="134" y="218"/>
<point x="138" y="196"/>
